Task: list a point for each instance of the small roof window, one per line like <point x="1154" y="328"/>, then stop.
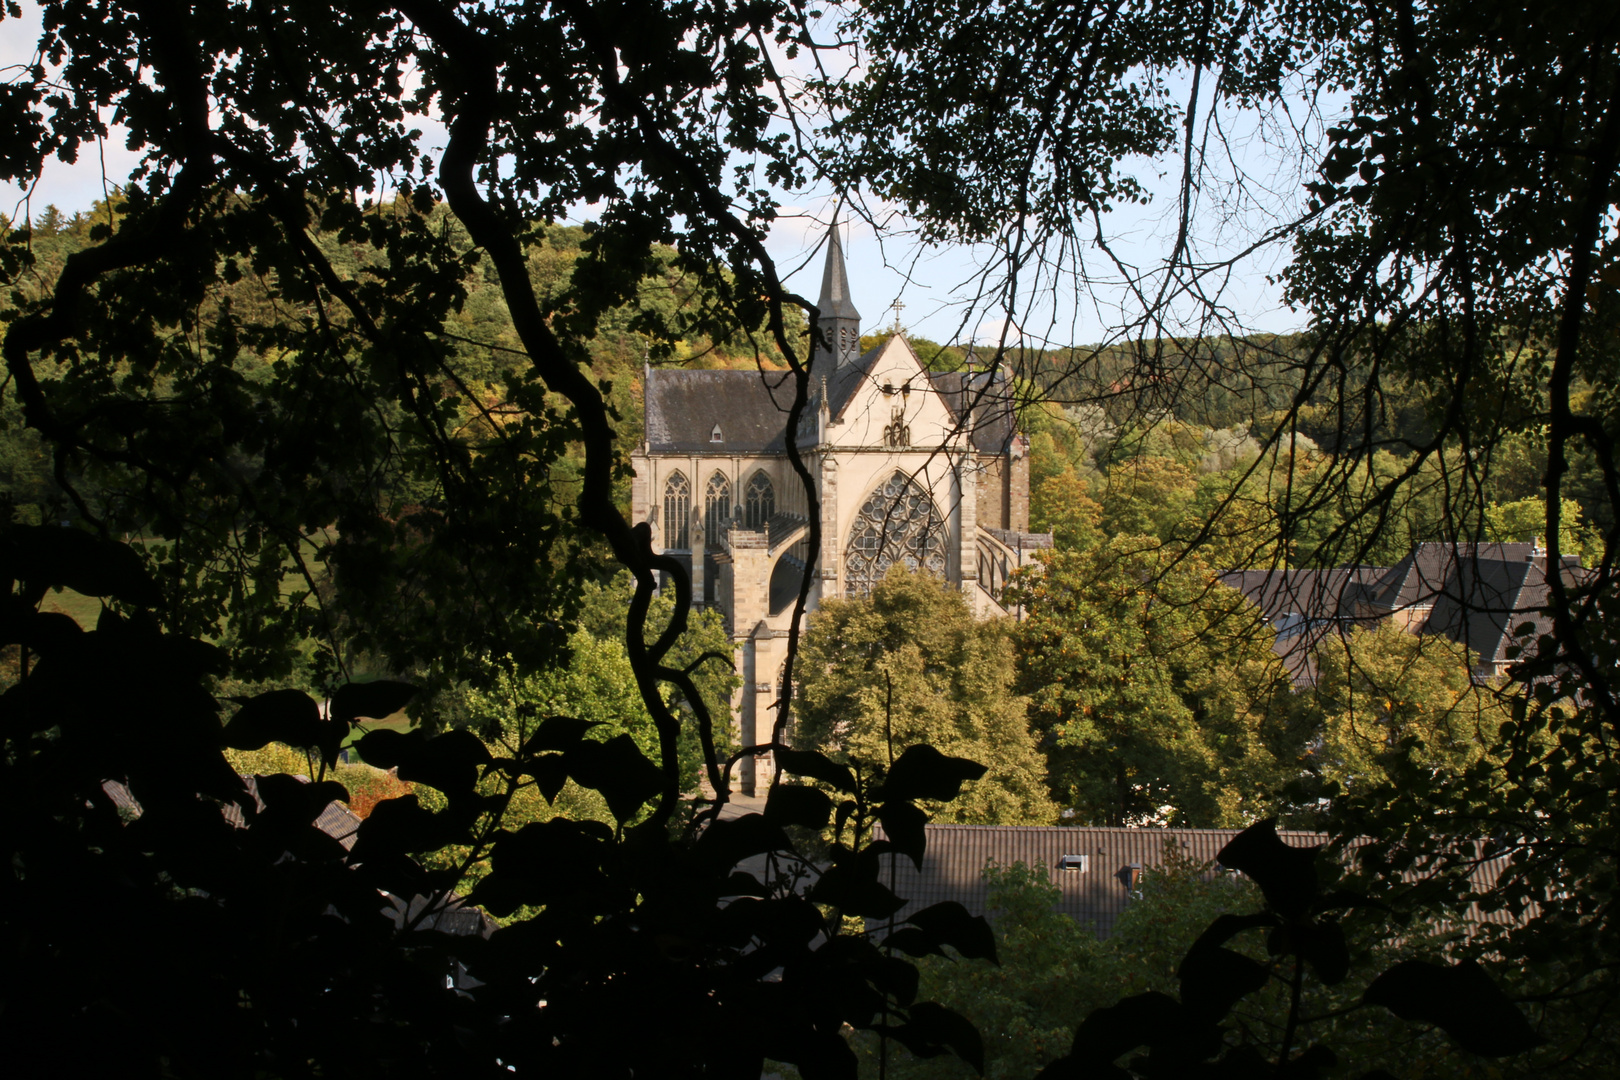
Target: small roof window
<point x="1076" y="863"/>
<point x="715" y="436"/>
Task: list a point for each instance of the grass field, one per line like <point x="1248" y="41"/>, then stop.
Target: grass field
<point x="85" y="610"/>
<point x="397" y="722"/>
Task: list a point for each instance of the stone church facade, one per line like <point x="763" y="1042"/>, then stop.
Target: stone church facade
<point x="911" y="467"/>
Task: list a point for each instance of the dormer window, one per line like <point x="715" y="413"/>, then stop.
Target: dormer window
<point x="715" y="436"/>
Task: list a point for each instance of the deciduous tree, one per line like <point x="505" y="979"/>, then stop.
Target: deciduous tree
<point x="909" y="664"/>
<point x="1153" y="687"/>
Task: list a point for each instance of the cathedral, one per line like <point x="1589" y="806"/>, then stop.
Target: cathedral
<point x="910" y="466"/>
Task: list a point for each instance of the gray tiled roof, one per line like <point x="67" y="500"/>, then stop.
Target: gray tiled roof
<point x="1418" y="578"/>
<point x="749" y="407"/>
<point x="957" y="855"/>
<point x="1478" y="594"/>
<point x="335" y="820"/>
<point x="1315" y="594"/>
<point x="683" y="407"/>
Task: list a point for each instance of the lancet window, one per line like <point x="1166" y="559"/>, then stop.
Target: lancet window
<point x="716" y="508"/>
<point x="677" y="513"/>
<point x="897" y="524"/>
<point x="759" y="501"/>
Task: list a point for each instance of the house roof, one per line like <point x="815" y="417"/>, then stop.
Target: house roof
<point x="1418" y="579"/>
<point x="956" y="856"/>
<point x="1313" y="594"/>
<point x="1477" y="594"/>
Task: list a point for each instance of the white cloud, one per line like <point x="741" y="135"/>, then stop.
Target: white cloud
<point x="995" y="331"/>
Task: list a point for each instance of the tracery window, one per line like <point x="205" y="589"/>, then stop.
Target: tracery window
<point x="677" y="513"/>
<point x="896" y="525"/>
<point x="759" y="501"/>
<point x="716" y="508"/>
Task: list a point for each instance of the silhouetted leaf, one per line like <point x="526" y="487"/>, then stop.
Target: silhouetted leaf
<point x="1136" y="1021"/>
<point x="817" y="766"/>
<point x="73" y="559"/>
<point x="795" y="804"/>
<point x="727" y="842"/>
<point x="1214" y="978"/>
<point x="286" y="716"/>
<point x="372" y="700"/>
<point x="389" y="749"/>
<point x="543" y="862"/>
<point x="903" y="825"/>
<point x="1461" y="999"/>
<point x="931" y="1029"/>
<point x="550" y="773"/>
<point x="402" y="826"/>
<point x="557" y="733"/>
<point x="913" y="942"/>
<point x="1322" y="944"/>
<point x="924" y="773"/>
<point x="1309" y="1064"/>
<point x="949" y="923"/>
<point x="855" y="893"/>
<point x="619" y="770"/>
<point x="1285" y="874"/>
<point x="448" y="762"/>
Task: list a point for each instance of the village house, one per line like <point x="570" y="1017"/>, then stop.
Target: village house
<point x="1487" y="596"/>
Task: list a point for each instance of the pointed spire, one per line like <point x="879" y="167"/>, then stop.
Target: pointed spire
<point x="835" y="302"/>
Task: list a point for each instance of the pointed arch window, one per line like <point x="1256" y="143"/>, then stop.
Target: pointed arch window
<point x="759" y="500"/>
<point x="716" y="508"/>
<point x="677" y="513"/>
<point x="897" y="524"/>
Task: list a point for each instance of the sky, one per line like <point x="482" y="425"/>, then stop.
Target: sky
<point x="934" y="285"/>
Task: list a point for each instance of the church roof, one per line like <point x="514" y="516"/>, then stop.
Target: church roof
<point x="750" y="408"/>
<point x="834" y="302"/>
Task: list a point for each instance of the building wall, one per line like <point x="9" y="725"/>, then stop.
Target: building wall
<point x="856" y="456"/>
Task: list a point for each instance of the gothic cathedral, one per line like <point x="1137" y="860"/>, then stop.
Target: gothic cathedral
<point x="911" y="467"/>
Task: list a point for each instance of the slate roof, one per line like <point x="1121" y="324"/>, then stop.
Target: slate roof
<point x="683" y="407"/>
<point x="1313" y="594"/>
<point x="1478" y="594"/>
<point x="1418" y="579"/>
<point x="335" y="820"/>
<point x="834" y="302"/>
<point x="957" y="855"/>
<point x="455" y="917"/>
<point x="1307" y="607"/>
<point x="750" y="408"/>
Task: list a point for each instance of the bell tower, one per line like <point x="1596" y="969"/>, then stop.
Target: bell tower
<point x="840" y="342"/>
